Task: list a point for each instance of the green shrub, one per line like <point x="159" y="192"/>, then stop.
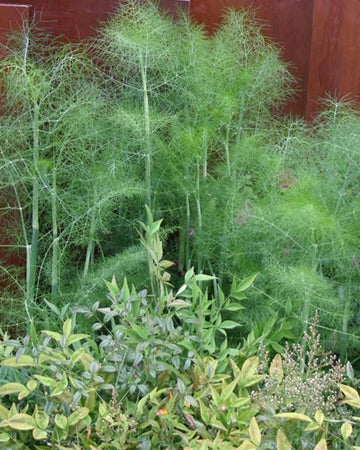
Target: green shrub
<point x="155" y="371"/>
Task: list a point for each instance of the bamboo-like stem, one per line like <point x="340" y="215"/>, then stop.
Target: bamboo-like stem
<point x="224" y="237"/>
<point x="346" y="302"/>
<point x="33" y="248"/>
<point x="187" y="232"/>
<point x="55" y="244"/>
<point x="91" y="244"/>
<point x="148" y="149"/>
<point x="182" y="243"/>
<point x="307" y="298"/>
<point x="199" y="220"/>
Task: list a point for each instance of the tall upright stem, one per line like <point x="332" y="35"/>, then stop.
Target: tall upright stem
<point x="91" y="244"/>
<point x="224" y="237"/>
<point x="187" y="233"/>
<point x="148" y="149"/>
<point x="32" y="250"/>
<point x="55" y="245"/>
<point x="346" y="302"/>
<point x="199" y="219"/>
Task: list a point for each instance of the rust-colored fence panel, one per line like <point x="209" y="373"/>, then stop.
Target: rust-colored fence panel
<point x="12" y="18"/>
<point x="335" y="54"/>
<point x="78" y="19"/>
<point x="319" y="38"/>
<point x="74" y="19"/>
<point x="287" y="22"/>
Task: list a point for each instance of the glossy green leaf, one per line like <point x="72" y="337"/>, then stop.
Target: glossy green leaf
<point x="61" y="421"/>
<point x="20" y="422"/>
<point x="39" y="434"/>
<point x="77" y="416"/>
<point x="254" y="432"/>
<point x="42" y="419"/>
<point x="4" y="437"/>
<point x="229" y="325"/>
<point x="12" y="388"/>
<point x="245" y="284"/>
<point x="67" y="327"/>
<point x="346" y="430"/>
<point x="293" y="415"/>
<point x="22" y="361"/>
<point x="282" y="442"/>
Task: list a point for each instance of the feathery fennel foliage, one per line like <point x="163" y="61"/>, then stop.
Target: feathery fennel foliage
<point x="188" y="124"/>
<point x="60" y="170"/>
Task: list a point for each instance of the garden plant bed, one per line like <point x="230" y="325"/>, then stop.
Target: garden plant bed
<point x="158" y="157"/>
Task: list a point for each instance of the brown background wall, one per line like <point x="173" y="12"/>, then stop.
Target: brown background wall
<point x="75" y="19"/>
<point x="335" y="52"/>
<point x="288" y="22"/>
<point x="319" y="38"/>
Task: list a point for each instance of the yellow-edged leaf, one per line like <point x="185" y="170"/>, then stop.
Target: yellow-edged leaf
<point x="349" y="392"/>
<point x="53" y="334"/>
<point x="205" y="413"/>
<point x="77" y="416"/>
<point x="313" y="426"/>
<point x="247" y="445"/>
<point x="321" y="445"/>
<point x="39" y="434"/>
<point x="41" y="419"/>
<point x="276" y="370"/>
<point x="76" y="337"/>
<point x="67" y="327"/>
<point x="11" y="388"/>
<point x="20" y="422"/>
<point x="46" y="381"/>
<point x="4" y="437"/>
<point x="319" y="417"/>
<point x="254" y="432"/>
<point x="249" y="368"/>
<point x="22" y="361"/>
<point x="4" y="413"/>
<point x="31" y="385"/>
<point x="346" y="430"/>
<point x="282" y="442"/>
<point x="61" y="421"/>
<point x="236" y="370"/>
<point x="217" y="424"/>
<point x="296" y="416"/>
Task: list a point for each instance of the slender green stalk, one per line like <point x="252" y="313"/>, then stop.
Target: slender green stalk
<point x="224" y="236"/>
<point x="55" y="243"/>
<point x="199" y="220"/>
<point x="91" y="244"/>
<point x="182" y="243"/>
<point x="187" y="233"/>
<point x="148" y="149"/>
<point x="33" y="249"/>
<point x="345" y="300"/>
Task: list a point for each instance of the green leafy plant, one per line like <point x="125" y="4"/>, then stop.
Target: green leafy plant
<point x="59" y="173"/>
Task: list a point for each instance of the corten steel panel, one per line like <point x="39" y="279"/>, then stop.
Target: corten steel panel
<point x="175" y="6"/>
<point x="75" y="19"/>
<point x="78" y="19"/>
<point x="335" y="54"/>
<point x="12" y="18"/>
<point x="287" y="22"/>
